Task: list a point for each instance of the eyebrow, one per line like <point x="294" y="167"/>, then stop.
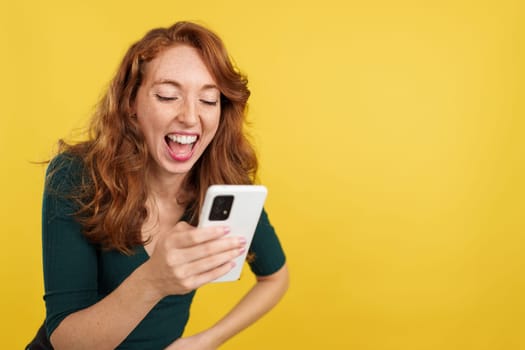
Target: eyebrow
<point x="179" y="85"/>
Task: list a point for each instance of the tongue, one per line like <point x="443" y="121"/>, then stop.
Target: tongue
<point x="179" y="148"/>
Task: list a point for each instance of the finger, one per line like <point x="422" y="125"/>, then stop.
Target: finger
<point x="213" y="274"/>
<point x="210" y="248"/>
<point x="210" y="263"/>
<point x="193" y="282"/>
<point x="187" y="236"/>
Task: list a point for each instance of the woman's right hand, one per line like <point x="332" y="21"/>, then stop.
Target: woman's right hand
<point x="188" y="257"/>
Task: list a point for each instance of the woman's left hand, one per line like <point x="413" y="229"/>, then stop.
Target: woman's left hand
<point x="194" y="342"/>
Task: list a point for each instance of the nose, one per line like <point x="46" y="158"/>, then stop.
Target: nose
<point x="188" y="114"/>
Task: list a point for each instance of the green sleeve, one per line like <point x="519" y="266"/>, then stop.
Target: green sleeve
<point x="70" y="262"/>
<point x="266" y="248"/>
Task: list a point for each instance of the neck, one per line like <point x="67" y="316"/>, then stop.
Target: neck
<point x="164" y="188"/>
<point x="164" y="211"/>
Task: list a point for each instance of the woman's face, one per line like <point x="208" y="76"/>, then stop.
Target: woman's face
<point x="178" y="109"/>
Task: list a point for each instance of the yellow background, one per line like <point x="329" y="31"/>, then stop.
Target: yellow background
<point x="391" y="137"/>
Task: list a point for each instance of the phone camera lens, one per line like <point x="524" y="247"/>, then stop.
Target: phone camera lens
<point x="221" y="207"/>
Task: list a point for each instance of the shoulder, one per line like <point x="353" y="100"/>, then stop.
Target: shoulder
<point x="264" y="222"/>
<point x="64" y="172"/>
<point x="267" y="253"/>
<point x="64" y="160"/>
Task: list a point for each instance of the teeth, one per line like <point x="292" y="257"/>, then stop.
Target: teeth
<point x="183" y="139"/>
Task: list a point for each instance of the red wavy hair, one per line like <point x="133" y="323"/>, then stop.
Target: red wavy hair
<point x="112" y="194"/>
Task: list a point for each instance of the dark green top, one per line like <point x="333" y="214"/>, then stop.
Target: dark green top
<point x="78" y="274"/>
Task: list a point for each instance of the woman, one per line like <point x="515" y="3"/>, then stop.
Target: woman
<point x="122" y="253"/>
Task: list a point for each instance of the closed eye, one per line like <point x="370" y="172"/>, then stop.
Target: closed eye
<point x="165" y="98"/>
<point x="209" y="102"/>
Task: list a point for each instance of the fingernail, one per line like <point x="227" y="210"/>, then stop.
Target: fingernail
<point x="226" y="230"/>
<point x="242" y="240"/>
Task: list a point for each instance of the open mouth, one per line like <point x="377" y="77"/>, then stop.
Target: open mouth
<point x="180" y="145"/>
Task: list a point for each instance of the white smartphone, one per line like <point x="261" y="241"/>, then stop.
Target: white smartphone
<point x="238" y="207"/>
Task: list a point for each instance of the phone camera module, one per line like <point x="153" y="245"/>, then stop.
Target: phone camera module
<point x="221" y="207"/>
